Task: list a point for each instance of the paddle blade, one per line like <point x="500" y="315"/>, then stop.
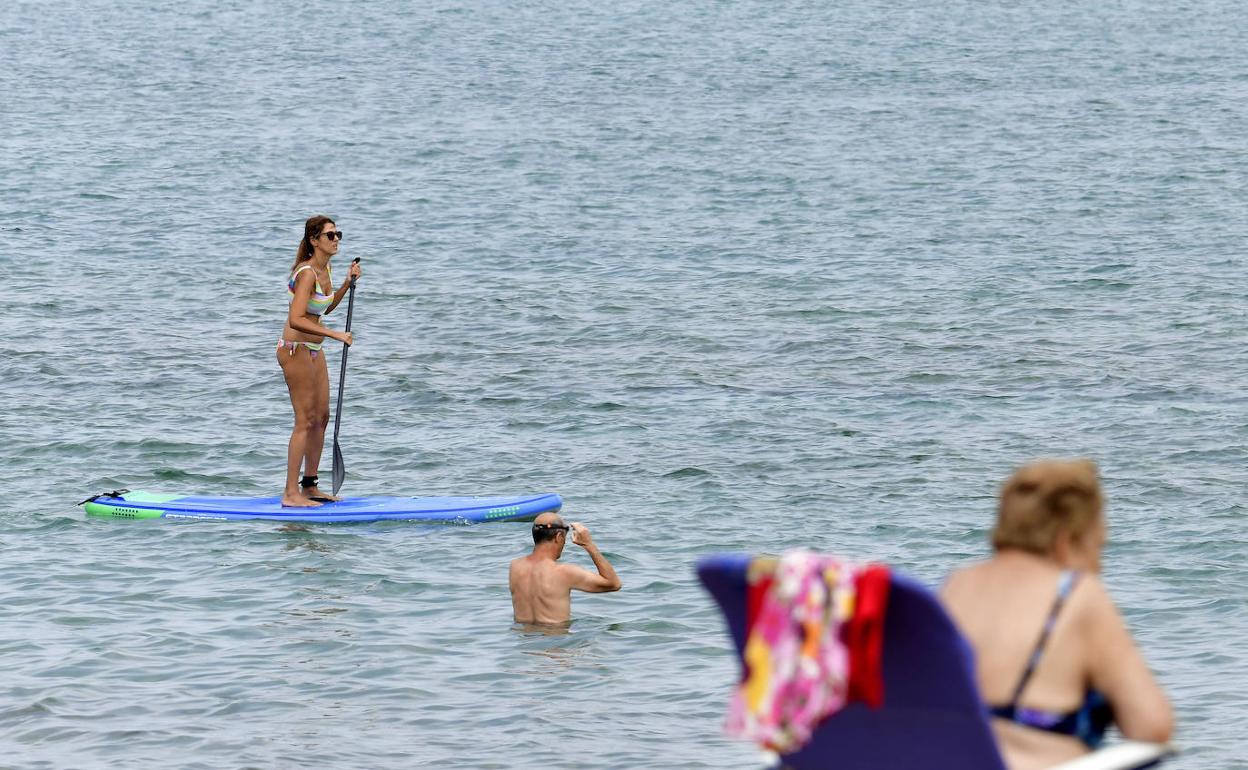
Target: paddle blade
<point x="340" y="470"/>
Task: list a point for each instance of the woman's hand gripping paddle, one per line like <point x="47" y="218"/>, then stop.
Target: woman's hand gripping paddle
<point x="340" y="469"/>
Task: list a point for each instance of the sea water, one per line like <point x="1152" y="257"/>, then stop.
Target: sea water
<point x="727" y="275"/>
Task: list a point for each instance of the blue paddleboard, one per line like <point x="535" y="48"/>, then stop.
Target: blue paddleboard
<point x="125" y="504"/>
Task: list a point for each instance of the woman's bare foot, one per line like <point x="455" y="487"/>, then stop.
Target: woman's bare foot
<point x="313" y="493"/>
<point x="298" y="501"/>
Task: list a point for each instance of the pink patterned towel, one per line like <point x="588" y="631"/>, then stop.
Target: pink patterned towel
<point x="796" y="666"/>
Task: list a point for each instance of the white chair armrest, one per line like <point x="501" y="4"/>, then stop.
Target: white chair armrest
<point x="1128" y="755"/>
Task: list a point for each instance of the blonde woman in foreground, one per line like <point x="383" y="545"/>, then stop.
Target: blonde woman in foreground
<point x="1054" y="659"/>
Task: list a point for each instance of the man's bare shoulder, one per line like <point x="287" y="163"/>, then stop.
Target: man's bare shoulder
<point x="522" y="566"/>
<point x="576" y="576"/>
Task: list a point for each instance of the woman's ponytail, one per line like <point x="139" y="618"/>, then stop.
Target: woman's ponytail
<point x="311" y="229"/>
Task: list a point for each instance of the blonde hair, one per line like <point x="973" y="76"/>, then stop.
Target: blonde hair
<point x="1043" y="498"/>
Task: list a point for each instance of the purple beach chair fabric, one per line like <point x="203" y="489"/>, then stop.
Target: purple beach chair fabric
<point x="932" y="717"/>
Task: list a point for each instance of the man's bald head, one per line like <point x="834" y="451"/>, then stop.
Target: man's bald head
<point x="547" y="526"/>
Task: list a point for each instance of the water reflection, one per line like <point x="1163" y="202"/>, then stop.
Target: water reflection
<point x="304" y="537"/>
<point x="555" y="644"/>
<point x="543" y="629"/>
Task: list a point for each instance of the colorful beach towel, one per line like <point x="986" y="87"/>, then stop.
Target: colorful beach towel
<point x="801" y="631"/>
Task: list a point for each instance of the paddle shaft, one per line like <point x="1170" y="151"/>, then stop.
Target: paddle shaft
<point x="339" y="468"/>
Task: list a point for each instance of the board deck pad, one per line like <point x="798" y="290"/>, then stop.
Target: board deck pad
<point x="462" y="510"/>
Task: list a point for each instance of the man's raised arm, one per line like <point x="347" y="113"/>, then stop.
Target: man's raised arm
<point x="583" y="580"/>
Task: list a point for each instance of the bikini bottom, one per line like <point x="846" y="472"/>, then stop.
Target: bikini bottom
<point x="313" y="347"/>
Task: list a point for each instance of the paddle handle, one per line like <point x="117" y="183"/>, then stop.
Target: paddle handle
<point x="342" y="374"/>
<point x="350" y="304"/>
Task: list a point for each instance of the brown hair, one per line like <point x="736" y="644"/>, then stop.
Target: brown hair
<point x="311" y="229"/>
<point x="1043" y="498"/>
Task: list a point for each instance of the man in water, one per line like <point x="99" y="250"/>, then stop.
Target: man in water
<point x="541" y="587"/>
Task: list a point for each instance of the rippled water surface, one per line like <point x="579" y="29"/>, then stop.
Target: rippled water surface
<point x="726" y="275"/>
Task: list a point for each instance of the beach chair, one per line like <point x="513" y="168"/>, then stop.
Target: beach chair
<point x="932" y="717"/>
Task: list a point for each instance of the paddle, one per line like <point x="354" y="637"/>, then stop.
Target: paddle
<point x="340" y="470"/>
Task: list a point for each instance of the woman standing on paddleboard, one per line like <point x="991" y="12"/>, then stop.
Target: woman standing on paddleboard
<point x="312" y="295"/>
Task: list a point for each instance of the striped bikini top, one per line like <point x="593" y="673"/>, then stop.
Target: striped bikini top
<point x="318" y="303"/>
